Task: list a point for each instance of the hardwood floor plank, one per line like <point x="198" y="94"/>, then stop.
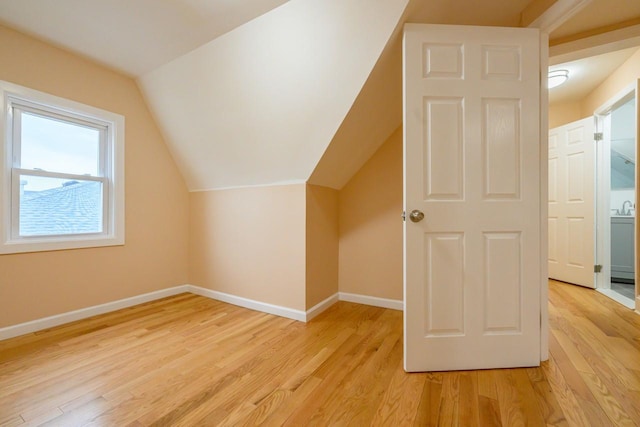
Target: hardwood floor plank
<point x="38" y="416"/>
<point x="11" y="421"/>
<point x="566" y="376"/>
<point x="337" y="378"/>
<point x="488" y="404"/>
<point x="607" y="402"/>
<point x="371" y="378"/>
<point x="430" y="402"/>
<point x="571" y="406"/>
<point x="532" y="405"/>
<point x="38" y="341"/>
<point x="216" y="409"/>
<point x="489" y="411"/>
<point x="216" y="389"/>
<point x="572" y="353"/>
<point x="511" y="405"/>
<point x="450" y="405"/>
<point x="358" y="404"/>
<point x="400" y="402"/>
<point x="80" y="415"/>
<point x="612" y="375"/>
<point x="569" y="371"/>
<point x="487" y="384"/>
<point x="187" y="360"/>
<point x="601" y="354"/>
<point x="547" y="402"/>
<point x="469" y="412"/>
<point x="279" y="415"/>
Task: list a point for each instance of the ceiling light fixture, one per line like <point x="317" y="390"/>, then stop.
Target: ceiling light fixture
<point x="557" y="77"/>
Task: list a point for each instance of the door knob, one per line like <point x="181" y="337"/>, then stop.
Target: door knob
<point x="416" y="215"/>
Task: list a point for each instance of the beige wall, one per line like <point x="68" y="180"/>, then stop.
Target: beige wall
<point x="562" y="114"/>
<point x="370" y="208"/>
<point x="36" y="285"/>
<point x="625" y="75"/>
<point x="321" y="244"/>
<point x="250" y="242"/>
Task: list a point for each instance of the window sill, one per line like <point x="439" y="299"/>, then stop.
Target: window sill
<point x="44" y="244"/>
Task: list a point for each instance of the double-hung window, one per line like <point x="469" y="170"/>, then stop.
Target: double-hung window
<point x="62" y="183"/>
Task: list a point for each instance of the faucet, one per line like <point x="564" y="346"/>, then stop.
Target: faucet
<point x="628" y="211"/>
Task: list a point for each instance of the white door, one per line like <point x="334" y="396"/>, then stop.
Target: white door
<point x="472" y="166"/>
<point x="571" y="203"/>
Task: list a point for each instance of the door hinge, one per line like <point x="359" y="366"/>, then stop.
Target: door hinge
<point x="597" y="268"/>
<point x="598" y="136"/>
<point x="404" y="215"/>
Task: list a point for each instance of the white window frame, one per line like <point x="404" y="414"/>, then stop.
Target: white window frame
<point x="111" y="169"/>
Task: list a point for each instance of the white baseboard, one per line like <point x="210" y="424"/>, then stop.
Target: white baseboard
<point x="278" y="310"/>
<point x="322" y="306"/>
<point x="374" y="301"/>
<point x="303" y="316"/>
<point x="621" y="299"/>
<point x="83" y="313"/>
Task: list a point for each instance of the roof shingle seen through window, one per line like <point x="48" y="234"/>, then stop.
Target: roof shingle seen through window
<point x="74" y="208"/>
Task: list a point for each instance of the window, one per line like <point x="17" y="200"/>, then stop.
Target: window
<point x="62" y="182"/>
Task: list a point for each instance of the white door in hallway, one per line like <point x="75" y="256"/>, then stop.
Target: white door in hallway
<point x="571" y="203"/>
<point x="472" y="168"/>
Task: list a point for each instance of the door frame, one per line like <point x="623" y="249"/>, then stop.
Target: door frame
<point x="544" y="195"/>
<point x="603" y="213"/>
<point x="602" y="223"/>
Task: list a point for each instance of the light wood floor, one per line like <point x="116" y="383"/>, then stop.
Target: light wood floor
<point x="188" y="360"/>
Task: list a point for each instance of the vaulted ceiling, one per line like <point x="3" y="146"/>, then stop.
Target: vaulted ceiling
<point x="132" y="36"/>
<point x="259" y="105"/>
<point x="257" y="92"/>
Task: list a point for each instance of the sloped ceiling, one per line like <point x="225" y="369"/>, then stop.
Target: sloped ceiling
<point x="132" y="36"/>
<point x="260" y="104"/>
<point x="377" y="111"/>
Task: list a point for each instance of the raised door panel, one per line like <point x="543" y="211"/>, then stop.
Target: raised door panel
<point x="444" y="263"/>
<point x="501" y="148"/>
<point x="443" y="148"/>
<point x="503" y="283"/>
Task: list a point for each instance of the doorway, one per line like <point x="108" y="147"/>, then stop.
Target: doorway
<point x="616" y="198"/>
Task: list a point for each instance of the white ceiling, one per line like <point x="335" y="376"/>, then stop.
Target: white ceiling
<point x="260" y="104"/>
<point x="587" y="74"/>
<point x="132" y="36"/>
